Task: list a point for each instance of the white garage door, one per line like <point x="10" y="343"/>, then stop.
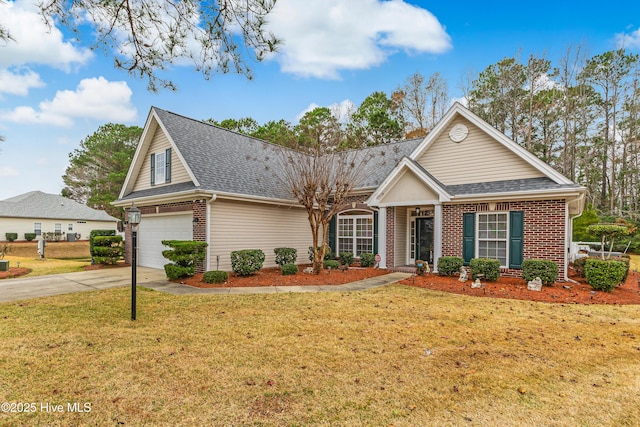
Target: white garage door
<point x="154" y="229"/>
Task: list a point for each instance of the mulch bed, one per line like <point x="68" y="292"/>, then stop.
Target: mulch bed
<point x="578" y="293"/>
<point x="273" y="277"/>
<point x="14" y="272"/>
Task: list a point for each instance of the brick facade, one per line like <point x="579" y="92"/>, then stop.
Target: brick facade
<point x="391" y="221"/>
<point x="544" y="231"/>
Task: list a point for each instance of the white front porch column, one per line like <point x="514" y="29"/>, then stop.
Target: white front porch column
<point x="437" y="235"/>
<point x="382" y="237"/>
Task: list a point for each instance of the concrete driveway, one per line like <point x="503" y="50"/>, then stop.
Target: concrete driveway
<point x="56" y="284"/>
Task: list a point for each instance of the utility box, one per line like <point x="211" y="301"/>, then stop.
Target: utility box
<point x="4" y="265"/>
<point x="71" y="237"/>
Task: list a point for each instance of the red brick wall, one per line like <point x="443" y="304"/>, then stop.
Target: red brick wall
<point x="391" y="220"/>
<point x="544" y="231"/>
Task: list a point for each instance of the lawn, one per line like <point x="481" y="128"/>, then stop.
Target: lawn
<point x="395" y="355"/>
<point x="47" y="266"/>
<point x="60" y="257"/>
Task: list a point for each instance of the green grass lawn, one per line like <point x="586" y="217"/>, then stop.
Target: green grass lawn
<point x="395" y="355"/>
<point x="48" y="266"/>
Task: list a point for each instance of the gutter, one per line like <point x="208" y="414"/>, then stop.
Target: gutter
<point x="568" y="238"/>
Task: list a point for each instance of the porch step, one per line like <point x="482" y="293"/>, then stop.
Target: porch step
<point x="403" y="268"/>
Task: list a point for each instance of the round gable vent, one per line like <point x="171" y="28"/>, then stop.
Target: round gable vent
<point x="458" y="133"/>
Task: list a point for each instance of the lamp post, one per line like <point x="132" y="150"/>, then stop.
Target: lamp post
<point x="134" y="219"/>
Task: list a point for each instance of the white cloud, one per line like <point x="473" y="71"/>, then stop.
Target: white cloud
<point x="19" y="83"/>
<point x="628" y="41"/>
<point x="35" y="43"/>
<point x="94" y="98"/>
<point x="340" y="110"/>
<point x="323" y="37"/>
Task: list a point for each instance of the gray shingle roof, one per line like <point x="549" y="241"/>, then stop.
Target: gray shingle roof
<point x="37" y="204"/>
<point x="230" y="162"/>
<point x="508" y="186"/>
<point x="226" y="161"/>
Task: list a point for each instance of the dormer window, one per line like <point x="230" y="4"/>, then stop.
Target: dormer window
<point x="161" y="167"/>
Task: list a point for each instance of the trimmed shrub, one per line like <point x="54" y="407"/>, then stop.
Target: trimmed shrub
<point x="449" y="265"/>
<point x="367" y="260"/>
<point x="107" y="249"/>
<point x="185" y="254"/>
<point x="92" y="235"/>
<point x="52" y="236"/>
<point x="327" y="254"/>
<point x="289" y="269"/>
<point x="215" y="276"/>
<point x="286" y="256"/>
<point x="332" y="263"/>
<point x="346" y="258"/>
<point x="11" y="236"/>
<point x="546" y="270"/>
<point x="247" y="261"/>
<point x="486" y="268"/>
<point x="604" y="275"/>
<point x="174" y="271"/>
<point x="29" y="236"/>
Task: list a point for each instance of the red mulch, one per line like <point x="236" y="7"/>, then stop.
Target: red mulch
<point x="579" y="293"/>
<point x="567" y="292"/>
<point x="14" y="272"/>
<point x="273" y="277"/>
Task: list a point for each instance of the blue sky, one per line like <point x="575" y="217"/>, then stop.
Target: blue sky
<point x="54" y="91"/>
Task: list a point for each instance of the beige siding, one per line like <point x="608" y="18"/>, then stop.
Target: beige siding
<point x="26" y="225"/>
<point x="159" y="143"/>
<point x="238" y="225"/>
<point x="478" y="158"/>
<point x="400" y="237"/>
<point x="409" y="189"/>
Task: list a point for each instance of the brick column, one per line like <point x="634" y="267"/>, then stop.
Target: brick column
<point x="391" y="221"/>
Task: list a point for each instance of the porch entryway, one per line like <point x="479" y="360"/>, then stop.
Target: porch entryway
<point x="424" y="239"/>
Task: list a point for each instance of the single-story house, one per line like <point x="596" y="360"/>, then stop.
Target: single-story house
<point x="463" y="190"/>
<point x="37" y="212"/>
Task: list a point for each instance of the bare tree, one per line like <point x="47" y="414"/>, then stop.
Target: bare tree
<point x="321" y="180"/>
<point x="422" y="102"/>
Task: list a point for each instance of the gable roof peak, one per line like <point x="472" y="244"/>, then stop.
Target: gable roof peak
<point x="457" y="109"/>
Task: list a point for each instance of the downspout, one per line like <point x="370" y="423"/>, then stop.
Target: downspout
<point x="208" y="231"/>
<point x="568" y="235"/>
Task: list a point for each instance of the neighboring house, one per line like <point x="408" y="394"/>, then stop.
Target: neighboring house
<point x="464" y="190"/>
<point x="38" y="212"/>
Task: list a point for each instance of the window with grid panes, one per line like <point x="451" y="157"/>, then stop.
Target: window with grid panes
<point x="493" y="236"/>
<point x="355" y="234"/>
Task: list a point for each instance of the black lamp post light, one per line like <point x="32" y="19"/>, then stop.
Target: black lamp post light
<point x="134" y="218"/>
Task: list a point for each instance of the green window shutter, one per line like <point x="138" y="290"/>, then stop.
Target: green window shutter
<point x="331" y="238"/>
<point x="468" y="236"/>
<point x="375" y="232"/>
<point x="153" y="169"/>
<point x="516" y="237"/>
<point x="167" y="165"/>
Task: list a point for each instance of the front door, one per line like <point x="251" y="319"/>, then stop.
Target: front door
<point x="424" y="239"/>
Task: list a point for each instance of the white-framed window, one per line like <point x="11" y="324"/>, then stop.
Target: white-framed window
<point x="70" y="227"/>
<point x="57" y="228"/>
<point x="493" y="236"/>
<point x="37" y="228"/>
<point x="159" y="167"/>
<point x="355" y="234"/>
